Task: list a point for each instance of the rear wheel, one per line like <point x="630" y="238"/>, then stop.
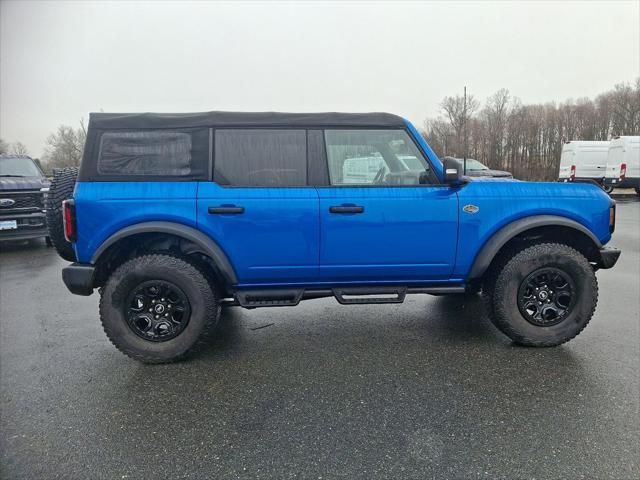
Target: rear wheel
<point x="543" y="296"/>
<point x="62" y="185"/>
<point x="638" y="191"/>
<point x="158" y="308"/>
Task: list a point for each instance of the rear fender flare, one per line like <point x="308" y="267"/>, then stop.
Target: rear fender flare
<point x="204" y="242"/>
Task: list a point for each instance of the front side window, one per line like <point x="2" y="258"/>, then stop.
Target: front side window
<point x="165" y="153"/>
<point x="374" y="157"/>
<point x="260" y="157"/>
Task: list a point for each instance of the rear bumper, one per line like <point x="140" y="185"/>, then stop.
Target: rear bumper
<point x="608" y="257"/>
<point x="78" y="278"/>
<point x="626" y="182"/>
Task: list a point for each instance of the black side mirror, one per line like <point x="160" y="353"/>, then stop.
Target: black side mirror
<point x="453" y="171"/>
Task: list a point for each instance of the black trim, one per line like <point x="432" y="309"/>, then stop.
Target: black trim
<point x="317" y="169"/>
<point x="608" y="257"/>
<point x="208" y="246"/>
<point x="78" y="278"/>
<point x="506" y="233"/>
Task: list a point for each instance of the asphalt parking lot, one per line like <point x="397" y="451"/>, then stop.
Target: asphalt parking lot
<point x="425" y="389"/>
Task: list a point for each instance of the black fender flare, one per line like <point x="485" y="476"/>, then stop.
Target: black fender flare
<point x="492" y="246"/>
<point x="208" y="246"/>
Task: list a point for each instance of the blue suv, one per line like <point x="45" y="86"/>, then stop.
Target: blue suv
<point x="173" y="215"/>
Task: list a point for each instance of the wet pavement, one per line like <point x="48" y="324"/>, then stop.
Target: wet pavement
<point x="424" y="389"/>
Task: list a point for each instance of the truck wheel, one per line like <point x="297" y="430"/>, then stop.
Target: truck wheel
<point x="158" y="308"/>
<point x="543" y="296"/>
<point x="62" y="185"/>
<point x="608" y="188"/>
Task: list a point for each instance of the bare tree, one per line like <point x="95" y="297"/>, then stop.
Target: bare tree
<point x="18" y="148"/>
<point x="65" y="146"/>
<point x="453" y="109"/>
<point x="4" y="147"/>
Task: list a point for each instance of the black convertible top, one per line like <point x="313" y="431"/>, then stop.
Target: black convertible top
<point x="242" y="119"/>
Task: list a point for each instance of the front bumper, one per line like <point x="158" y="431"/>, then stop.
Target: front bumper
<point x="30" y="225"/>
<point x="608" y="257"/>
<point x="78" y="277"/>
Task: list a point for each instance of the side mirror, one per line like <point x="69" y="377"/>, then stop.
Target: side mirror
<point x="453" y="171"/>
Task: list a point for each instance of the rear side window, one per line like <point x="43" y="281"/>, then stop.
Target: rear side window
<point x="260" y="157"/>
<point x="158" y="153"/>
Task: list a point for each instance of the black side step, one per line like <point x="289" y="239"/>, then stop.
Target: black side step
<point x="269" y="298"/>
<point x="282" y="297"/>
<point x="366" y="295"/>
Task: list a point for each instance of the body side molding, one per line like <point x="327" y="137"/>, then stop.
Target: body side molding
<point x="207" y="245"/>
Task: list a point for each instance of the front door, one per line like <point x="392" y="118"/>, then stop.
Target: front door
<point x="383" y="218"/>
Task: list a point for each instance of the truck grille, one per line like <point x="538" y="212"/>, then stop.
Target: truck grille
<point x="23" y="202"/>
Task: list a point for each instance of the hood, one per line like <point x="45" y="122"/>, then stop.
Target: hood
<point x="22" y="183"/>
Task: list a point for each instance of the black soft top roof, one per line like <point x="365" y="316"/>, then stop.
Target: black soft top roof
<point x="243" y="119"/>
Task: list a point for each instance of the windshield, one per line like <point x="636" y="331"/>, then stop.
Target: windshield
<point x="18" y="167"/>
<point x="475" y="165"/>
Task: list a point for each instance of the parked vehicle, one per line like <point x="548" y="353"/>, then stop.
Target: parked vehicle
<point x="174" y="215"/>
<point x="23" y="188"/>
<point x="584" y="161"/>
<point x="475" y="168"/>
<point x="623" y="163"/>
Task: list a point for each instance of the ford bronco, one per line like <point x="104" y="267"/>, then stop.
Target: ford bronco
<point x="173" y="215"/>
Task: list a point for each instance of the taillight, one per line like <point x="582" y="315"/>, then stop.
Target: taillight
<point x="623" y="170"/>
<point x="69" y="220"/>
<point x="572" y="175"/>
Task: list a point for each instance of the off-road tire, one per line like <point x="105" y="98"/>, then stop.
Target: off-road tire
<point x="62" y="185"/>
<point x="194" y="282"/>
<point x="501" y="286"/>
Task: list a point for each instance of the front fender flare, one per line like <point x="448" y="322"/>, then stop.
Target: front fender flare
<point x="501" y="237"/>
<point x="208" y="246"/>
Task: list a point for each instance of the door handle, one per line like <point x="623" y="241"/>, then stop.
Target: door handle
<point x="346" y="209"/>
<point x="226" y="209"/>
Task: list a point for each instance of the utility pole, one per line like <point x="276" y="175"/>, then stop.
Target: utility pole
<point x="464" y="129"/>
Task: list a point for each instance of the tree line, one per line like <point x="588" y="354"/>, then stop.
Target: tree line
<point x="527" y="140"/>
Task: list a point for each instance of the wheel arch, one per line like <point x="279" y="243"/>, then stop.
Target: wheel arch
<point x="548" y="227"/>
<point x="202" y="242"/>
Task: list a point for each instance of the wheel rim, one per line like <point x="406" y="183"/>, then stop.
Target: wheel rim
<point x="157" y="310"/>
<point x="546" y="297"/>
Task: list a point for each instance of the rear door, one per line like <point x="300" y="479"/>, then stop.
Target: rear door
<point x="386" y="224"/>
<point x="259" y="207"/>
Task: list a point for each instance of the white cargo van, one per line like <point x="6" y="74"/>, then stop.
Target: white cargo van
<point x="582" y="160"/>
<point x="623" y="163"/>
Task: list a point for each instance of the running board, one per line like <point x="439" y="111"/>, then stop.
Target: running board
<point x="277" y="297"/>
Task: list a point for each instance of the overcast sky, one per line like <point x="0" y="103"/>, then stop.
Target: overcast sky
<point x="61" y="60"/>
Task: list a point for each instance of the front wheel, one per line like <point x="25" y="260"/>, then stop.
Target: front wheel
<point x="543" y="296"/>
<point x="608" y="188"/>
<point x="157" y="308"/>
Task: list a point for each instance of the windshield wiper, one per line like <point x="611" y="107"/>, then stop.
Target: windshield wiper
<point x="9" y="175"/>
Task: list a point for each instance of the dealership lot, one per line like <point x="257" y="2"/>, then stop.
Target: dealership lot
<point x="425" y="388"/>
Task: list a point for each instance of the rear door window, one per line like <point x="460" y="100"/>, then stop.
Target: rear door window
<point x="260" y="157"/>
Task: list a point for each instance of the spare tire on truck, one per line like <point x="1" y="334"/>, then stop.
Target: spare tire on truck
<point x="62" y="185"/>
